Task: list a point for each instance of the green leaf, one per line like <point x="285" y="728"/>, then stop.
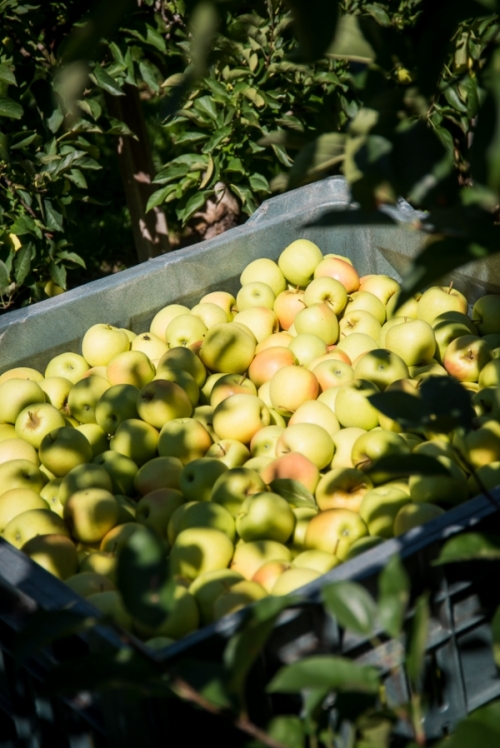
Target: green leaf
<point x="106" y="82"/>
<point x="404" y="465"/>
<point x="205" y="105"/>
<point x="316" y="157"/>
<point x="53" y="219"/>
<point x="148" y="73"/>
<point x="352" y="606"/>
<point x="63" y="254"/>
<point x="481" y="728"/>
<point x="58" y="274"/>
<point x="143" y="578"/>
<point x="349" y="42"/>
<point x="6" y="75"/>
<point x="417" y="640"/>
<point x="217" y="138"/>
<point x="208" y="678"/>
<point x="293" y="491"/>
<point x="325" y="671"/>
<point x="236" y="165"/>
<point x="314" y="24"/>
<point x="22" y="263"/>
<point x="4" y="276"/>
<point x="495" y="634"/>
<point x="76" y="176"/>
<point x="10" y="108"/>
<point x="245" y="646"/>
<point x="286" y="730"/>
<point x="485" y="150"/>
<point x="194" y="203"/>
<point x="259" y="183"/>
<point x="158" y="197"/>
<point x="470" y="546"/>
<point x="393" y="596"/>
<point x="254" y="96"/>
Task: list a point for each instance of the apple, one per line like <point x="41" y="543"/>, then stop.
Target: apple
<point x="343" y="442"/>
<point x="206" y="514"/>
<point x="18" y="449"/>
<point x="117" y="404"/>
<point x="121" y="469"/>
<point x="110" y="604"/>
<point x="316" y="560"/>
<point x="413" y="341"/>
<point x="253" y="294"/>
<point x="210" y="314"/>
<point x="103" y="342"/>
<point x="7" y="431"/>
<point x="207" y="587"/>
<point x="320" y="320"/>
<point x="290" y="387"/>
<point x="489" y="376"/>
<point x="287" y="305"/>
<point x="56" y="391"/>
<point x="445" y="332"/>
<point x="480" y="446"/>
<point x="227" y="348"/>
<point x="130" y="367"/>
<point x="186" y="439"/>
<point x="382" y="286"/>
<point x="334" y="531"/>
<point x="440" y="488"/>
<point x="372" y="446"/>
<point x="163" y="318"/>
<point x="161" y="401"/>
<point x="280" y="339"/>
<point x="230" y="451"/>
<point x="265" y="516"/>
<point x="439" y="299"/>
<point x="198" y="478"/>
<point x="413" y="515"/>
<point x="184" y="330"/>
<point x="485" y="314"/>
<point x="55" y="553"/>
<point x="249" y="557"/>
<point x="17" y="500"/>
<point x="16" y="395"/>
<point x="36" y="421"/>
<point x="367" y="302"/>
<point x="326" y="290"/>
<point x="135" y="439"/>
<point x="95" y="436"/>
<point x="408" y="309"/>
<point x="184" y="380"/>
<point x="231" y="384"/>
<point x="352" y="406"/>
<point x="381" y="367"/>
<point x="21" y="372"/>
<point x="69" y="365"/>
<point x="87" y="583"/>
<point x="198" y="550"/>
<point x="240" y="417"/>
<point x="342" y="488"/>
<point x="233" y="486"/>
<point x="239" y="596"/>
<point x="294" y="579"/>
<point x="182" y="619"/>
<point x="118" y="537"/>
<point x="294" y="466"/>
<point x="224" y="299"/>
<point x="90" y="514"/>
<point x="303" y="516"/>
<point x="99" y="562"/>
<point x="362" y="545"/>
<point x="357" y="343"/>
<point x="465" y="357"/>
<point x="260" y="321"/>
<point x="299" y="260"/>
<point x="185" y="359"/>
<point x="332" y="373"/>
<point x="268" y="574"/>
<point x="150" y="344"/>
<point x="266" y="271"/>
<point x="63" y="449"/>
<point x="33" y="522"/>
<point x="81" y="477"/>
<point x="308" y="439"/>
<point x="84" y="396"/>
<point x="340" y="270"/>
<point x="20" y="473"/>
<point x="361" y="321"/>
<point x="379" y="508"/>
<point x="304" y="348"/>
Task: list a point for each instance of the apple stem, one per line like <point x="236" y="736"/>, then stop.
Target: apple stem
<point x="450" y="287"/>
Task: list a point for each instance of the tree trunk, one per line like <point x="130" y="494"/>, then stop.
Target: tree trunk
<point x="137" y="172"/>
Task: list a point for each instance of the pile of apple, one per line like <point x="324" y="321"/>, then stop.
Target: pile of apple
<point x="241" y="432"/>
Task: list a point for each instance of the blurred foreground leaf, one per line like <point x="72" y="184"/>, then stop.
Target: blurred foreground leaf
<point x="352" y="606"/>
<point x="394" y="594"/>
<point x="469" y="547"/>
<point x="326" y="671"/>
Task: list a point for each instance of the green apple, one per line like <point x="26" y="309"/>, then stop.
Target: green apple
<point x="356" y="344"/>
<point x="268" y="574"/>
<point x="160" y="472"/>
<point x="121" y="469"/>
<point x="440" y="489"/>
<point x="249" y="557"/>
<point x="206" y="514"/>
<point x="265" y="270"/>
<point x="55" y="553"/>
<point x="292" y="386"/>
<point x="258" y="321"/>
<point x="117" y="404"/>
<point x="186" y="439"/>
<point x="269" y="361"/>
<point x="230" y="451"/>
<point x="155" y="509"/>
<point x="408" y="309"/>
<point x="198" y="478"/>
<point x="81" y="477"/>
<point x="207" y="587"/>
<point x="445" y="331"/>
<point x="265" y="516"/>
<point x="481" y="446"/>
<point x="127" y="509"/>
<point x="308" y="439"/>
<point x="111" y="605"/>
<point x="239" y="596"/>
<point x="263" y="442"/>
<point x="184" y="380"/>
<point x="87" y="583"/>
<point x="319" y="561"/>
<point x="183" y="358"/>
<point x="293" y="466"/>
<point x="84" y="396"/>
<point x="328" y="291"/>
<point x="135" y="439"/>
<point x="367" y="302"/>
<point x="465" y="357"/>
<point x="227" y="348"/>
<point x="413" y="341"/>
<point x="287" y="305"/>
<point x="334" y="531"/>
<point x="69" y="365"/>
<point x="63" y="449"/>
<point x="240" y="417"/>
<point x="175" y="520"/>
<point x="343" y="442"/>
<point x="206" y="390"/>
<point x="340" y="268"/>
<point x="20" y="473"/>
<point x="21" y="372"/>
<point x="233" y="486"/>
<point x="31" y="523"/>
<point x="90" y="514"/>
<point x="17" y="500"/>
<point x="103" y="342"/>
<point x="255" y="293"/>
<point x="16" y="395"/>
<point x="439" y="299"/>
<point x="342" y="488"/>
<point x="18" y="449"/>
<point x="118" y="537"/>
<point x="96" y="437"/>
<point x="352" y="406"/>
<point x="198" y="550"/>
<point x="489" y="376"/>
<point x="294" y="579"/>
<point x="231" y="384"/>
<point x="100" y="563"/>
<point x="130" y="367"/>
<point x="304" y="348"/>
<point x="320" y="320"/>
<point x="56" y="391"/>
<point x="485" y="314"/>
<point x="373" y="446"/>
<point x="382" y="286"/>
<point x="362" y="545"/>
<point x="184" y="330"/>
<point x="150" y="344"/>
<point x="381" y="367"/>
<point x="7" y="431"/>
<point x="161" y="401"/>
<point x="379" y="508"/>
<point x="210" y="314"/>
<point x="299" y="260"/>
<point x="163" y="318"/>
<point x="182" y="619"/>
<point x="413" y="515"/>
<point x="332" y="373"/>
<point x="360" y="321"/>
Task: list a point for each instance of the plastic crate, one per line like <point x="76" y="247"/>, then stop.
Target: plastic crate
<point x="460" y="666"/>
